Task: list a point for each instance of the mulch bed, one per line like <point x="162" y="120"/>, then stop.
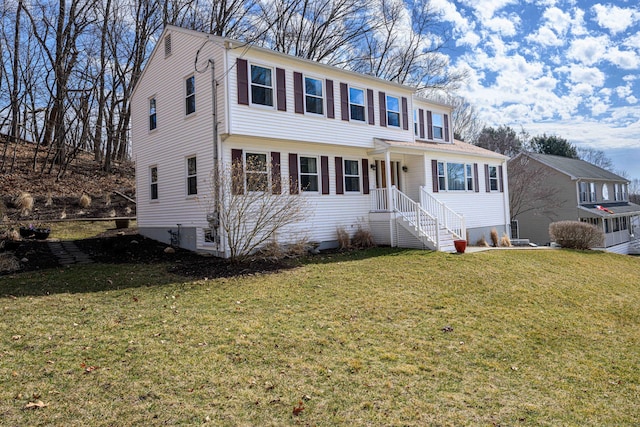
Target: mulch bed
<point x="127" y="247"/>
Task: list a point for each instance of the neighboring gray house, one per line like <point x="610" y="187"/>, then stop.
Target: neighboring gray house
<point x="546" y="188"/>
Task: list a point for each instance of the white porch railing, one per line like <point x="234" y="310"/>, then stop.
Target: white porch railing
<point x="448" y="218"/>
<point x="379" y="200"/>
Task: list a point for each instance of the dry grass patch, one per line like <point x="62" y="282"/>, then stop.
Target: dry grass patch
<point x="534" y="338"/>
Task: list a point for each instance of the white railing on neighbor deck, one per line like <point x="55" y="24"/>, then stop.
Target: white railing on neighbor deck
<point x="449" y="219"/>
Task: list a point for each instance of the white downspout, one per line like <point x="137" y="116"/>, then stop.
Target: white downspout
<point x="507" y="207"/>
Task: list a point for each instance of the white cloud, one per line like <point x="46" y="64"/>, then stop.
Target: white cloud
<point x="486" y="9"/>
<point x="580" y="74"/>
<point x="615" y="19"/>
<point x="545" y="37"/>
<point x="625" y="59"/>
<point x="588" y="50"/>
<point x="557" y="20"/>
<point x="504" y="25"/>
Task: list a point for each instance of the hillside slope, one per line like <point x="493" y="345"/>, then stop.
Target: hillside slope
<point x="53" y="199"/>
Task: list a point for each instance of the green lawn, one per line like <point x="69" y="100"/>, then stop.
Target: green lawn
<point x="376" y="338"/>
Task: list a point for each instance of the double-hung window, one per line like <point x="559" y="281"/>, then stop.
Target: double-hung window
<point x="583" y="191"/>
<point x="152" y="114"/>
<point x="415" y="123"/>
<point x="592" y="191"/>
<point x="356" y="104"/>
<point x="314" y="100"/>
<point x="351" y="176"/>
<point x="257" y="172"/>
<point x="308" y="173"/>
<point x="493" y="178"/>
<point x="393" y="111"/>
<point x="190" y="98"/>
<point x="192" y="177"/>
<point x="455" y="176"/>
<point x="437" y="126"/>
<point x="261" y="86"/>
<point x="153" y="183"/>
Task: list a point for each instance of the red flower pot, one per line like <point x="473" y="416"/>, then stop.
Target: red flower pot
<point x="460" y="245"/>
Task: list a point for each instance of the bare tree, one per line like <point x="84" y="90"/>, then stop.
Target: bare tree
<point x="634" y="191"/>
<point x="528" y="188"/>
<point x="254" y="211"/>
<point x="466" y="123"/>
<point x="595" y="157"/>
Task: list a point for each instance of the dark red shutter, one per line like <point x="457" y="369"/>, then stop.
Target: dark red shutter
<point x="324" y="171"/>
<point x="276" y="182"/>
<point x="293" y="173"/>
<point x="429" y="126"/>
<point x="237" y="172"/>
<point x="500" y="179"/>
<point x="365" y="176"/>
<point x="370" y="112"/>
<point x="487" y="182"/>
<point x="434" y="175"/>
<point x="344" y="101"/>
<point x="421" y="121"/>
<point x="446" y="127"/>
<point x="281" y="90"/>
<point x="382" y="99"/>
<point x="331" y="111"/>
<point x="339" y="176"/>
<point x="298" y="94"/>
<point x="475" y="178"/>
<point x="405" y="114"/>
<point x="242" y="74"/>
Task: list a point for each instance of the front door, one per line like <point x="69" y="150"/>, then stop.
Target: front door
<point x="381" y="174"/>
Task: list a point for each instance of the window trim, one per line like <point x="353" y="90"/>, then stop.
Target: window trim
<point x="189" y="176"/>
<point x="251" y="84"/>
<point x="316" y="174"/>
<point x="345" y="176"/>
<point x="434" y="126"/>
<point x="188" y="95"/>
<point x="397" y="112"/>
<point x="353" y="104"/>
<point x="492" y="179"/>
<point x="266" y="172"/>
<point x="153" y="184"/>
<point x="468" y="172"/>
<point x="153" y="113"/>
<point x="416" y="128"/>
<point x="307" y="95"/>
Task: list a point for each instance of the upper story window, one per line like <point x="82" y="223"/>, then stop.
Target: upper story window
<point x="455" y="177"/>
<point x="351" y="176"/>
<point x="617" y="188"/>
<point x="605" y="192"/>
<point x="437" y="126"/>
<point x="313" y="95"/>
<point x="493" y="178"/>
<point x="153" y="183"/>
<point x="256" y="172"/>
<point x="261" y="86"/>
<point x="192" y="176"/>
<point x="356" y="104"/>
<point x="583" y="191"/>
<point x="415" y="123"/>
<point x="152" y="114"/>
<point x="592" y="191"/>
<point x="308" y="173"/>
<point x="393" y="111"/>
<point x="190" y="95"/>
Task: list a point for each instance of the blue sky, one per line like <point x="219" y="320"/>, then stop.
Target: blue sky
<point x="564" y="67"/>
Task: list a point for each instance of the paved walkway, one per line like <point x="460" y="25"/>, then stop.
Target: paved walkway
<point x="68" y="253"/>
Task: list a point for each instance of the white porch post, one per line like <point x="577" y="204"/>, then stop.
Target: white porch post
<point x="390" y="195"/>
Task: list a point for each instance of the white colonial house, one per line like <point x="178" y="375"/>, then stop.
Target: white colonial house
<point x="371" y="152"/>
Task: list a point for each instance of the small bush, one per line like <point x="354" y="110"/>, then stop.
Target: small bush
<point x="84" y="201"/>
<point x="8" y="263"/>
<point x="482" y="242"/>
<point x="362" y="239"/>
<point x="271" y="251"/>
<point x="343" y="238"/>
<point x="576" y="235"/>
<point x="505" y="241"/>
<point x="494" y="238"/>
<point x="24" y="202"/>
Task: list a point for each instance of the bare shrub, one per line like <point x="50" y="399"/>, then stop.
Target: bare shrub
<point x="482" y="242"/>
<point x="24" y="202"/>
<point x="343" y="238"/>
<point x="495" y="240"/>
<point x="8" y="263"/>
<point x="505" y="241"/>
<point x="84" y="201"/>
<point x="107" y="198"/>
<point x="271" y="250"/>
<point x="49" y="201"/>
<point x="576" y="234"/>
<point x="298" y="249"/>
<point x="362" y="238"/>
